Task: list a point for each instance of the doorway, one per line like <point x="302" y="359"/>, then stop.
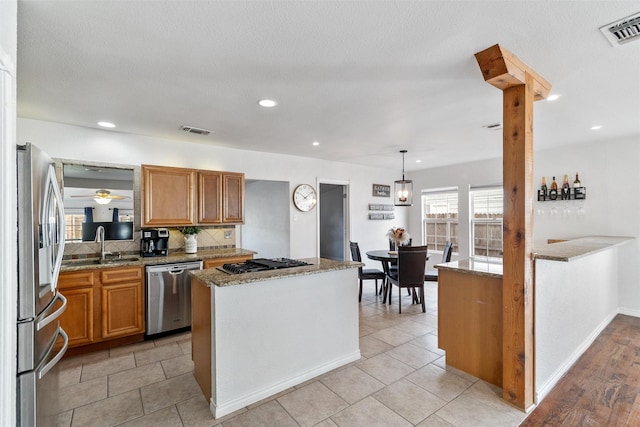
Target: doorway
<point x="333" y="212"/>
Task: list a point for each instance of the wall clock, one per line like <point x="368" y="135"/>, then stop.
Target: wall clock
<point x="304" y="197"/>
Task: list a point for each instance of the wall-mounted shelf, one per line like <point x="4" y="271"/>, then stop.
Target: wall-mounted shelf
<point x="575" y="193"/>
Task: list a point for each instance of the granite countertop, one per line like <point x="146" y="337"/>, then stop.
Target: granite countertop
<point x="576" y="248"/>
<point x="216" y="277"/>
<point x="472" y="266"/>
<point x="201" y="255"/>
<point x="563" y="251"/>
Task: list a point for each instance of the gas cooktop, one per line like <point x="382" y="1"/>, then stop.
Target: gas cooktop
<point x="262" y="264"/>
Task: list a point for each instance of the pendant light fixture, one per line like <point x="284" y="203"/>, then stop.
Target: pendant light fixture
<point x="403" y="189"/>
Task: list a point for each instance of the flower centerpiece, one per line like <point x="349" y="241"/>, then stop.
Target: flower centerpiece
<point x="190" y="238"/>
<point x="398" y="236"/>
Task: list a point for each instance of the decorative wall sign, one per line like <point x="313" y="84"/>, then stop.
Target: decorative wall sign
<point x="380" y="215"/>
<point x="381" y="190"/>
<point x="379" y="207"/>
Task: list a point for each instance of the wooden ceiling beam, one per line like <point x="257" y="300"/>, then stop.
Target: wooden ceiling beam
<point x="503" y="70"/>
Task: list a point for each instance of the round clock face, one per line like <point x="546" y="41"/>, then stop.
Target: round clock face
<point x="304" y="197"/>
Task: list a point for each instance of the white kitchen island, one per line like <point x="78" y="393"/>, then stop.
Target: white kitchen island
<point x="257" y="334"/>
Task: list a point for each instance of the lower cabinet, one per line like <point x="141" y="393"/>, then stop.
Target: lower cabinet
<point x="102" y="304"/>
<point x="77" y="320"/>
<point x="218" y="262"/>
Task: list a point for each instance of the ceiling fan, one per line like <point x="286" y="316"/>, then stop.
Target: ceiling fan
<point x="103" y="197"/>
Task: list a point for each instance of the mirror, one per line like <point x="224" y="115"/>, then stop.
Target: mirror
<point x="98" y="194"/>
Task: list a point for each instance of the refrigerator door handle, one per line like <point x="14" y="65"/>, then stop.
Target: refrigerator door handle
<point x="53" y="316"/>
<point x="60" y="226"/>
<point x="46" y="368"/>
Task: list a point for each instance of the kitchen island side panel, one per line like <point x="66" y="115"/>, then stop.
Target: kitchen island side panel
<point x="274" y="334"/>
<point x="574" y="302"/>
<point x="201" y="317"/>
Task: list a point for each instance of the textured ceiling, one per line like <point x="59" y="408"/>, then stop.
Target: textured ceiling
<point x="364" y="78"/>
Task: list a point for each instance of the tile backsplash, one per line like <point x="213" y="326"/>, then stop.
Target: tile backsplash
<point x="208" y="238"/>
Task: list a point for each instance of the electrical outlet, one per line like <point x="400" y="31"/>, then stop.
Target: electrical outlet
<point x="228" y="235"/>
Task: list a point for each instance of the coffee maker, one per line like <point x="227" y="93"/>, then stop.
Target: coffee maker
<point x="154" y="242"/>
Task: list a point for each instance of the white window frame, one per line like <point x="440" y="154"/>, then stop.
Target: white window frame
<point x="451" y="216"/>
<point x="493" y="202"/>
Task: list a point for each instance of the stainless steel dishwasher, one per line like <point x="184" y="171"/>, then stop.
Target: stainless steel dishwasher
<point x="169" y="296"/>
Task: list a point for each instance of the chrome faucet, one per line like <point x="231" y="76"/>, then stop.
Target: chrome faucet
<point x="100" y="239"/>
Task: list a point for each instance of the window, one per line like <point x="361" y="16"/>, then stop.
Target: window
<point x="486" y="222"/>
<point x="440" y="218"/>
<point x="73" y="223"/>
<point x="73" y="227"/>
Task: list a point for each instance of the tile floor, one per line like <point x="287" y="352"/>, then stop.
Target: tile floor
<point x="401" y="380"/>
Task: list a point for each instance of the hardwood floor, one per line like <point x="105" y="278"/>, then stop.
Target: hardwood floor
<point x="603" y="387"/>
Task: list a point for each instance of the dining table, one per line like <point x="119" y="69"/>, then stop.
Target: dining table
<point x="386" y="257"/>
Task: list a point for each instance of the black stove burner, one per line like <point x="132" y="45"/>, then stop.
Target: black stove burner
<point x="262" y="264"/>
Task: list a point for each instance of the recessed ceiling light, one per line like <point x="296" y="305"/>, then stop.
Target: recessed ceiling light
<point x="106" y="124"/>
<point x="597" y="127"/>
<point x="553" y="97"/>
<point x="315" y="143"/>
<point x="267" y="103"/>
<point x="418" y="161"/>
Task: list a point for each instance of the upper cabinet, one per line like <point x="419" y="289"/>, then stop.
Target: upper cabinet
<point x="168" y="196"/>
<point x="209" y="197"/>
<point x="233" y="197"/>
<point x="219" y="198"/>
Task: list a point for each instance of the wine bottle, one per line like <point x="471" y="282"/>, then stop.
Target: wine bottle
<point x="543" y="187"/>
<point x="577" y="182"/>
<point x="565" y="182"/>
<point x="554" y="184"/>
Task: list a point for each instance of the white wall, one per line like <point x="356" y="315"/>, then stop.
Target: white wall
<point x="266" y="219"/>
<point x="610" y="170"/>
<point x="8" y="203"/>
<point x="74" y="142"/>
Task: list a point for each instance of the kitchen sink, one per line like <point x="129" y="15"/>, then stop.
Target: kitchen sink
<point x="97" y="261"/>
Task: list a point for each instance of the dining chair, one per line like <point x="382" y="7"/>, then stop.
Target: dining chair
<point x="393" y="265"/>
<point x="365" y="273"/>
<point x="432" y="275"/>
<point x="410" y="273"/>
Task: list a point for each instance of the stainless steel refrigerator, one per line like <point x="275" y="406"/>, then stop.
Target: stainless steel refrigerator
<point x="40" y="250"/>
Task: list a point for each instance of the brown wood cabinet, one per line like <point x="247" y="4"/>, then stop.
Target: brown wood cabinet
<point x="77" y="319"/>
<point x="209" y="197"/>
<point x="102" y="304"/>
<point x="217" y="262"/>
<point x="170" y="197"/>
<point x="232" y="197"/>
<point x="122" y="302"/>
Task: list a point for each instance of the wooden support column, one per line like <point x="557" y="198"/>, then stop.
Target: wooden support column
<point x="521" y="86"/>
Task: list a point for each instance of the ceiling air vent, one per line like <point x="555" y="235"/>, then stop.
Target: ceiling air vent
<point x="622" y="31"/>
<point x="192" y="129"/>
<point x="493" y="126"/>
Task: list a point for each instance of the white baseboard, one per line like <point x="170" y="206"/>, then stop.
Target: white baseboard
<point x="239" y="403"/>
<point x="629" y="312"/>
<point x="568" y="363"/>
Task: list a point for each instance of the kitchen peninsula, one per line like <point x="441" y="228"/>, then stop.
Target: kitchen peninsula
<point x="256" y="334"/>
<point x="575" y="296"/>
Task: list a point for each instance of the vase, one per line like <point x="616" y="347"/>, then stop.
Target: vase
<point x="190" y="244"/>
